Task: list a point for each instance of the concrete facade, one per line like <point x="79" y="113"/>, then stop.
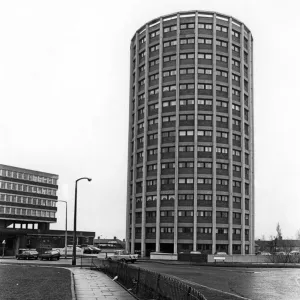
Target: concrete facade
<point x="191" y="150"/>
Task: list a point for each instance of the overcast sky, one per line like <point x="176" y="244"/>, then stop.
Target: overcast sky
<point x="64" y="84"/>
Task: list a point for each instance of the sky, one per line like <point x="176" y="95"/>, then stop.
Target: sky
<point x="64" y="92"/>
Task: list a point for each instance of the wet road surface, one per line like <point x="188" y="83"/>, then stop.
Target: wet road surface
<point x="235" y="283"/>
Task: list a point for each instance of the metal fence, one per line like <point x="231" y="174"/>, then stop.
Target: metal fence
<point x="147" y="285"/>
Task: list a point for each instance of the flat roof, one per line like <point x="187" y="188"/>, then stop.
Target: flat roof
<point x="35" y="172"/>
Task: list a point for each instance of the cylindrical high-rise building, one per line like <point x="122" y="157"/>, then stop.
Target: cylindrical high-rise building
<point x="191" y="152"/>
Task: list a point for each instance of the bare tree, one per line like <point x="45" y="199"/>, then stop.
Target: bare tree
<point x="279" y="233"/>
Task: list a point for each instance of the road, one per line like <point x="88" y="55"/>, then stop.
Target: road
<point x="235" y="283"/>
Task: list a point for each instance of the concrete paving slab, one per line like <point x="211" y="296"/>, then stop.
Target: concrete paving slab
<point x="95" y="285"/>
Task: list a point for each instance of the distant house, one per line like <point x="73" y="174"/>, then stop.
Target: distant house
<point x="277" y="245"/>
<point x="109" y="244"/>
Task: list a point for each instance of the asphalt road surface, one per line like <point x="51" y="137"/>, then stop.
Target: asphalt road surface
<point x="235" y="283"/>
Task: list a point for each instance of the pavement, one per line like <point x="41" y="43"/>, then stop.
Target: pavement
<point x="87" y="284"/>
<point x="95" y="285"/>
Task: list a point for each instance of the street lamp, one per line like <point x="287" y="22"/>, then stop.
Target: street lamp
<point x="75" y="217"/>
<point x="66" y="233"/>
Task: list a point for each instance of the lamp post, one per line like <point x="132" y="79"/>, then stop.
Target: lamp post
<point x="75" y="219"/>
<point x="66" y="233"/>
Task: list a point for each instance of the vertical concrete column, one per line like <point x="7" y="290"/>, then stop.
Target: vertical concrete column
<point x="131" y="122"/>
<point x="135" y="145"/>
<point x="214" y="136"/>
<point x="160" y="81"/>
<point x="230" y="135"/>
<point x="145" y="144"/>
<point x="195" y="134"/>
<point x="177" y="136"/>
<point x="242" y="139"/>
<point x="251" y="146"/>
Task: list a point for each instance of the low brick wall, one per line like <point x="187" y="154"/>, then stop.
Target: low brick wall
<point x="236" y="258"/>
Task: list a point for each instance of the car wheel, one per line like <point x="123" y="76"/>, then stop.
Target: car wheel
<point x="109" y="258"/>
<point x="36" y="258"/>
<point x="133" y="261"/>
<point x="58" y="258"/>
<point x="18" y="258"/>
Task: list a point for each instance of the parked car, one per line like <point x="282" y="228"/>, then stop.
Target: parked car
<point x="123" y="256"/>
<point x="264" y="253"/>
<point x="220" y="253"/>
<point x="294" y="252"/>
<point x="91" y="250"/>
<point x="280" y="253"/>
<point x="50" y="255"/>
<point x="28" y="254"/>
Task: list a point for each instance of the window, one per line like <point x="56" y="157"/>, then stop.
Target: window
<point x="186" y="180"/>
<point x="222" y="134"/>
<point x="169" y="58"/>
<point x="236" y="231"/>
<point x="168" y="165"/>
<point x="153" y="62"/>
<point x="151" y="152"/>
<point x="204" y="197"/>
<point x="222" y="119"/>
<point x="153" y="106"/>
<point x="167" y="229"/>
<point x="222" y="166"/>
<point x="204" y="213"/>
<point x="186" y="197"/>
<point x="204" y="133"/>
<point x="236" y="77"/>
<point x="187" y="26"/>
<point x="168" y="149"/>
<point x="236" y="199"/>
<point x="151" y="182"/>
<point x="205" y="165"/>
<point x="167" y="197"/>
<point x="222" y="182"/>
<point x="221" y="150"/>
<point x="222" y="58"/>
<point x="206" y="230"/>
<point x="236" y="152"/>
<point x="235" y="34"/>
<point x="186" y="102"/>
<point x="222" y="198"/>
<point x="236" y="122"/>
<point x="185" y="229"/>
<point x="154" y="48"/>
<point x="189" y="86"/>
<point x="187" y="55"/>
<point x="221" y="28"/>
<point x="186" y="117"/>
<point x="169" y="119"/>
<point x="205" y="41"/>
<point x="204" y="117"/>
<point x="222" y="214"/>
<point x="187" y="41"/>
<point x="235" y="92"/>
<point x="236" y="183"/>
<point x="154" y="77"/>
<point x="143" y="40"/>
<point x="167" y="213"/>
<point x="204" y="102"/>
<point x="204" y="149"/>
<point x="205" y="71"/>
<point x="185" y="213"/>
<point x="204" y="56"/>
<point x="236" y="168"/>
<point x="222" y="88"/>
<point x="236" y="63"/>
<point x="167" y="181"/>
<point x="186" y="164"/>
<point x="221" y="43"/>
<point x="222" y="230"/>
<point x="202" y="86"/>
<point x="205" y="26"/>
<point x="222" y="73"/>
<point x="236" y="215"/>
<point x="187" y="71"/>
<point x="170" y="43"/>
<point x="222" y="103"/>
<point x="153" y="92"/>
<point x="150" y="229"/>
<point x="152" y="122"/>
<point x="170" y="28"/>
<point x="186" y="148"/>
<point x="154" y="33"/>
<point x="235" y="48"/>
<point x="168" y="133"/>
<point x="169" y="88"/>
<point x="204" y="180"/>
<point x="169" y="103"/>
<point x="169" y="73"/>
<point x="186" y="132"/>
<point x="141" y="97"/>
<point x="151" y="198"/>
<point x="152" y="167"/>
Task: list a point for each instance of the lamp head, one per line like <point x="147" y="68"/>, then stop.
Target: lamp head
<point x="89" y="179"/>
